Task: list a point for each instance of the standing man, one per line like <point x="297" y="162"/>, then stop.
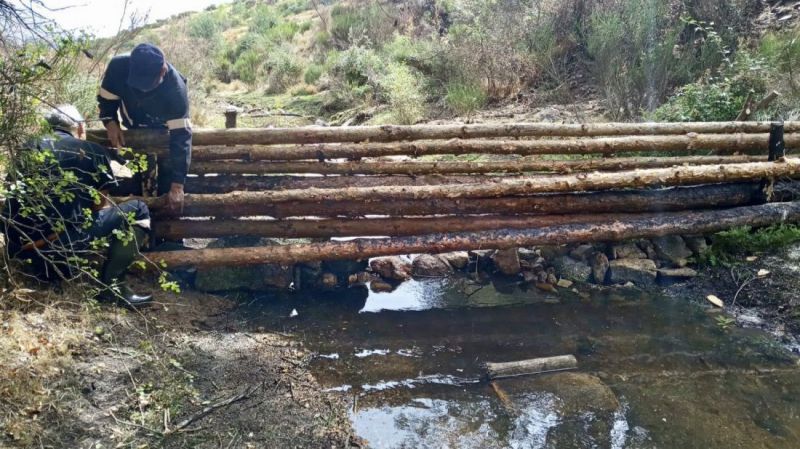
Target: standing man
<point x="148" y="92"/>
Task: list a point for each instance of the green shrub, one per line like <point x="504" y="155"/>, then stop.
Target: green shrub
<point x="728" y="246"/>
<point x="282" y="32"/>
<point x="351" y="23"/>
<point x="248" y="66"/>
<point x="403" y="92"/>
<point x="284" y="70"/>
<point x="782" y="50"/>
<point x="313" y="73"/>
<point x="263" y="18"/>
<point x="204" y="25"/>
<point x="464" y="98"/>
<point x="718" y="98"/>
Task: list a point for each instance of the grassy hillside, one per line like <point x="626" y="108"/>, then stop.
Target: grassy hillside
<point x="391" y="61"/>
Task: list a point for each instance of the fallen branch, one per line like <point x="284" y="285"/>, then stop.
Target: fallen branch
<point x="208" y="409"/>
<point x="531" y="366"/>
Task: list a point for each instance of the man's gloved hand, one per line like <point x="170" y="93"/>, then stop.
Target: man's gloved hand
<point x="175" y="198"/>
<point x="115" y="134"/>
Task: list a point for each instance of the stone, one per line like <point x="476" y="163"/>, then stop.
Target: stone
<point x="359" y="278"/>
<point x="529" y="254"/>
<point x="458" y="259"/>
<point x="427" y="265"/>
<point x="329" y="281"/>
<point x="396" y="268"/>
<point x="572" y="269"/>
<point x="581" y="252"/>
<point x="551" y="279"/>
<point x="676" y="273"/>
<point x="381" y="286"/>
<point x="530" y="277"/>
<point x="507" y="261"/>
<point x="627" y="251"/>
<point x="564" y="283"/>
<point x="649" y="249"/>
<point x="344" y="268"/>
<point x="249" y="278"/>
<point x="641" y="272"/>
<point x="545" y="287"/>
<point x="600" y="266"/>
<point x="697" y="244"/>
<point x="550" y="252"/>
<point x="673" y="249"/>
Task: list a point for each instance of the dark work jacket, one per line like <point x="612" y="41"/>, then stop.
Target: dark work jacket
<point x="91" y="165"/>
<point x="166" y="106"/>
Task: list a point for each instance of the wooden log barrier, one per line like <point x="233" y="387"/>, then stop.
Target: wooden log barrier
<point x="149" y="139"/>
<point x="237" y="203"/>
<point x="681" y="198"/>
<point x="451" y="167"/>
<point x="643" y="226"/>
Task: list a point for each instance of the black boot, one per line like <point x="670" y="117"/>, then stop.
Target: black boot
<point x="120" y="257"/>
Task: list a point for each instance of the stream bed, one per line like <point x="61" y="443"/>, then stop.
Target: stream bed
<point x="654" y="372"/>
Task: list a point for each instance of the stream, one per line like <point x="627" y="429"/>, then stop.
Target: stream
<point x="654" y="372"/>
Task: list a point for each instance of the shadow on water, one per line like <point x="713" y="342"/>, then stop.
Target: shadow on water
<point x="653" y="372"/>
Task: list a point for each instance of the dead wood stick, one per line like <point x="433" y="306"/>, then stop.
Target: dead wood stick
<point x="644" y="226"/>
<point x="530" y="366"/>
<point x="451" y="167"/>
<point x="144" y="139"/>
<point x="208" y="409"/>
<point x="657" y="177"/>
<point x="746" y="111"/>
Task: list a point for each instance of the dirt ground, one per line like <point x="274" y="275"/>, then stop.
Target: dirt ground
<point x="180" y="374"/>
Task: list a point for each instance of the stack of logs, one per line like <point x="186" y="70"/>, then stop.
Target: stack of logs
<point x="513" y="185"/>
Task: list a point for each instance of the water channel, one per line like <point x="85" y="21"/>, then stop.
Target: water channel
<point x="654" y="372"/>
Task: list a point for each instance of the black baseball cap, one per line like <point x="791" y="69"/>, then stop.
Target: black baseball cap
<point x="145" y="67"/>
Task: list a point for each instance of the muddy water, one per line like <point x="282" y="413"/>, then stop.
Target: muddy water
<point x="653" y="372"/>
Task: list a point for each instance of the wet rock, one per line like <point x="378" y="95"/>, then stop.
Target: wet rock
<point x="572" y="269"/>
<point x="530" y="277"/>
<point x="507" y="261"/>
<point x="697" y="244"/>
<point x="564" y="283"/>
<point x="328" y="281"/>
<point x="396" y="268"/>
<point x="529" y="254"/>
<point x="676" y="273"/>
<point x="649" y="249"/>
<point x="545" y="287"/>
<point x="627" y="251"/>
<point x="427" y="265"/>
<point x="344" y="268"/>
<point x="550" y="252"/>
<point x="381" y="286"/>
<point x="359" y="278"/>
<point x="581" y="252"/>
<point x="641" y="272"/>
<point x="673" y="249"/>
<point x="252" y="278"/>
<point x="551" y="279"/>
<point x="600" y="266"/>
<point x="458" y="259"/>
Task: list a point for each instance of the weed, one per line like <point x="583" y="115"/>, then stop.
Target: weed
<point x="404" y="94"/>
<point x="464" y="98"/>
<point x="724" y="322"/>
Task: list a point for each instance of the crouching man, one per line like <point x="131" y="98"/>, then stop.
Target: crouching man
<point x="58" y="215"/>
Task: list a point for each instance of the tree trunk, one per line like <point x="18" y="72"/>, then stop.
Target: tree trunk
<point x="658" y="177"/>
<point x="681" y="198"/>
<point x="644" y="226"/>
<point x="448" y="167"/>
<point x="146" y="139"/>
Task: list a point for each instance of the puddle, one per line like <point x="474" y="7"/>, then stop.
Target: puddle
<point x="653" y="372"/>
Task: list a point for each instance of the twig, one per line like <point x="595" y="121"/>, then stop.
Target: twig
<point x="202" y="413"/>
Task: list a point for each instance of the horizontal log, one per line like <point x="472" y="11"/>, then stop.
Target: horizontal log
<point x="365" y="227"/>
<point x="645" y="226"/>
<point x="723" y="195"/>
<point x="143" y="139"/>
<point x="531" y="366"/>
<point x="657" y="177"/>
<point x="232" y="183"/>
<point x="450" y="167"/>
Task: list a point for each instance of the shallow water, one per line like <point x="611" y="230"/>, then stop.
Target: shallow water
<point x="653" y="372"/>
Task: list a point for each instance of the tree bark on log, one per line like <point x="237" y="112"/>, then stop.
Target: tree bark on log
<point x="232" y="183"/>
<point x="366" y="227"/>
<point x="531" y="366"/>
<point x="146" y="139"/>
<point x="658" y="177"/>
<point x="645" y="226"/>
<point x="681" y="198"/>
<point x="450" y="167"/>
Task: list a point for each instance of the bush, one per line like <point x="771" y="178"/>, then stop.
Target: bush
<point x="248" y="66"/>
<point x="464" y="98"/>
<point x="351" y="23"/>
<point x="403" y="92"/>
<point x="313" y="73"/>
<point x="783" y="53"/>
<point x="263" y="18"/>
<point x="284" y="70"/>
<point x="719" y="98"/>
<point x="204" y="25"/>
